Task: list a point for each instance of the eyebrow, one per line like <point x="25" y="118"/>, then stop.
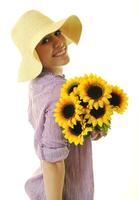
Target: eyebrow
<point x="45" y="36"/>
<point x="48" y="35"/>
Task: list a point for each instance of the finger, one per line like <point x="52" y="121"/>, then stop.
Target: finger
<point x="102" y="133"/>
<point x="96" y="137"/>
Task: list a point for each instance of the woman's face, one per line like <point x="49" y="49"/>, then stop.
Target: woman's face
<point x="52" y="50"/>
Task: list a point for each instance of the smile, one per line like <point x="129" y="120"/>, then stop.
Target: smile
<point x="60" y="53"/>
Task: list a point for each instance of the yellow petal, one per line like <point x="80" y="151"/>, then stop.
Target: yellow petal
<point x="96" y="105"/>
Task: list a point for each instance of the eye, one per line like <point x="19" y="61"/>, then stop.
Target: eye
<point x="45" y="41"/>
<point x="58" y="32"/>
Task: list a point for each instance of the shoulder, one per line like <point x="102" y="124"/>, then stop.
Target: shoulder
<point x="49" y="85"/>
<point x="46" y="80"/>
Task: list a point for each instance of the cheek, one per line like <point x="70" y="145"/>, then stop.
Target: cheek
<point x="46" y="53"/>
<point x="64" y="39"/>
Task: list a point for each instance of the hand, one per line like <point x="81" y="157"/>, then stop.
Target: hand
<point x="97" y="134"/>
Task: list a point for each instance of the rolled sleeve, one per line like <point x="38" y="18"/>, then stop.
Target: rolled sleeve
<point x="53" y="155"/>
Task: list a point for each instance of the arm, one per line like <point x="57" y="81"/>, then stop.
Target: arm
<point x="51" y="146"/>
<point x="53" y="175"/>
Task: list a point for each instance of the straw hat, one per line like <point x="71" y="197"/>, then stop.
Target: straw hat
<point x="30" y="29"/>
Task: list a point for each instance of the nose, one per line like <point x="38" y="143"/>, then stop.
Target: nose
<point x="57" y="42"/>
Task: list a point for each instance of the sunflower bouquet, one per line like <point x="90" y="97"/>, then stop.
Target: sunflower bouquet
<point x="87" y="104"/>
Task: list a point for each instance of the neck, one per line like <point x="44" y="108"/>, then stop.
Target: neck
<point x="57" y="70"/>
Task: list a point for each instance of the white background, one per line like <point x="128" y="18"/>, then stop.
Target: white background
<point x="109" y="46"/>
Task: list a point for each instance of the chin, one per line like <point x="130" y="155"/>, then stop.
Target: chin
<point x="66" y="60"/>
<point x="63" y="62"/>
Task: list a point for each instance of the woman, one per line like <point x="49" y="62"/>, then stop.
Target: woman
<point x="66" y="171"/>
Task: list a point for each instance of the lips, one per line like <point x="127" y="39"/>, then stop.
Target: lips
<point x="60" y="52"/>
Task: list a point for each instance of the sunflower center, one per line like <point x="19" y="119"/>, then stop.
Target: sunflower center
<point x="84" y="104"/>
<point x="95" y="91"/>
<point x="97" y="113"/>
<point x="115" y="100"/>
<point x="77" y="130"/>
<point x="68" y="110"/>
<point x="71" y="88"/>
<point x="88" y="125"/>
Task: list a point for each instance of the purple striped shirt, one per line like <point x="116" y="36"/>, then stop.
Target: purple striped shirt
<point x="50" y="144"/>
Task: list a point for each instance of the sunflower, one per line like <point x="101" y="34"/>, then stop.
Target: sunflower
<point x="94" y="90"/>
<point x="119" y="100"/>
<point x="67" y="111"/>
<point x="99" y="116"/>
<point x="77" y="133"/>
<point x="84" y="105"/>
<point x="70" y="87"/>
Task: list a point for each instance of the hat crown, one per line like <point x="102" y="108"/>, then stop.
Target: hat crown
<point x="27" y="26"/>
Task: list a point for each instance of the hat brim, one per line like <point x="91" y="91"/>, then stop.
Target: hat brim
<point x="71" y="28"/>
<point x="30" y="68"/>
